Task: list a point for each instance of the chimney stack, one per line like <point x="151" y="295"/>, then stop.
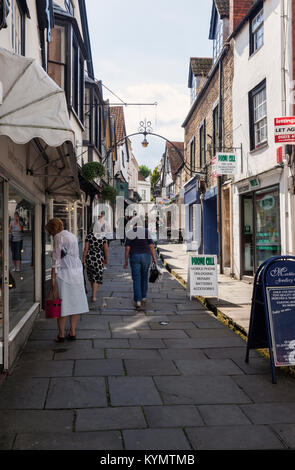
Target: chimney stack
<point x="238" y="9"/>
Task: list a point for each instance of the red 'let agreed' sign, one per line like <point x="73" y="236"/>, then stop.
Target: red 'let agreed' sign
<point x="284" y="130"/>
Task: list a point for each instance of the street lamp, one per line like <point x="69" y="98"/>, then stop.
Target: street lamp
<point x="145" y="129"/>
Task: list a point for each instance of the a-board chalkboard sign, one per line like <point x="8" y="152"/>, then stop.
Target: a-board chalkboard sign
<point x="272" y="321"/>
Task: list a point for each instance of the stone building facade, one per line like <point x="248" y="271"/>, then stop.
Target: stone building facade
<point x="208" y="130"/>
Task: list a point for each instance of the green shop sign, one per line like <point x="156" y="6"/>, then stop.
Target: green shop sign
<point x="203" y="261"/>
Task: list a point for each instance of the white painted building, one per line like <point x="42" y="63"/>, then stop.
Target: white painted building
<point x="144" y="188"/>
<point x="261" y="93"/>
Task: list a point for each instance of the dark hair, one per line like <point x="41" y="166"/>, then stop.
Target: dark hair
<point x="16" y="213"/>
<point x="103" y="212"/>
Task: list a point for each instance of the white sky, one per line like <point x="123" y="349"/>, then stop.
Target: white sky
<point x="141" y="51"/>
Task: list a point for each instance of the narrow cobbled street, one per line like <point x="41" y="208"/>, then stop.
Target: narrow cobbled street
<point x="168" y="376"/>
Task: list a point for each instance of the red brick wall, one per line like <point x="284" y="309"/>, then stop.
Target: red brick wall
<point x="238" y="9"/>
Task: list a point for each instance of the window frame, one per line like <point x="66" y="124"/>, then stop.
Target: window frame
<point x="218" y="38"/>
<point x="192" y="155"/>
<point x="61" y="64"/>
<point x="252" y="122"/>
<point x="215" y="125"/>
<point x="253" y="34"/>
<point x="69" y="6"/>
<point x="22" y="34"/>
<point x="73" y="39"/>
<point x="202" y="144"/>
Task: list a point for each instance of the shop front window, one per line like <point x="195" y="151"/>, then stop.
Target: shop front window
<point x="21" y="212"/>
<point x="268" y="240"/>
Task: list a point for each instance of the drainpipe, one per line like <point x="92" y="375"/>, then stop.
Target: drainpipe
<point x="284" y="43"/>
<point x="219" y="178"/>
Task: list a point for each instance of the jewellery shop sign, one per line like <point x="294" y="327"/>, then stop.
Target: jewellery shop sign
<point x="202" y="276"/>
<point x="272" y="320"/>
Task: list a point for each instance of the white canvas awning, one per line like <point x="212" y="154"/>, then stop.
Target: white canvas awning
<point x="33" y="108"/>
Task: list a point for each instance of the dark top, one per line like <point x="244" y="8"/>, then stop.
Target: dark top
<point x="139" y="241"/>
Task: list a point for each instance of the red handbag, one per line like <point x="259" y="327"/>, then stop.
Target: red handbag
<point x="53" y="304"/>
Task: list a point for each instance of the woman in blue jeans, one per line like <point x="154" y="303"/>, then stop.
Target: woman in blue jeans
<point x="139" y="248"/>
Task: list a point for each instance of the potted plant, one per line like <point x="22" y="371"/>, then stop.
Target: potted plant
<point x="92" y="170"/>
<point x="108" y="193"/>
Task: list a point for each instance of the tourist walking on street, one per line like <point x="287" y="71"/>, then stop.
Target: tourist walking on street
<point x="67" y="276"/>
<point x="16" y="234"/>
<point x="139" y="249"/>
<point x="95" y="256"/>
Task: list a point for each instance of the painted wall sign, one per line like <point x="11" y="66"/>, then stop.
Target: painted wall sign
<point x="203" y="275"/>
<point x="284" y="129"/>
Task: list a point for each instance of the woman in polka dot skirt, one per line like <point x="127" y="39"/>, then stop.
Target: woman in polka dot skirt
<point x="95" y="256"/>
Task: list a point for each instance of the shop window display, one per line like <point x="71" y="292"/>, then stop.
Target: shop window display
<point x="21" y="214"/>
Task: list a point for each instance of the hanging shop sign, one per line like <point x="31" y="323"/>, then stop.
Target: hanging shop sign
<point x="202" y="275"/>
<point x="272" y="320"/>
<point x="226" y="164"/>
<point x="284" y="129"/>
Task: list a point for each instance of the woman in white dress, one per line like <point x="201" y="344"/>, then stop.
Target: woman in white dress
<point x="67" y="275"/>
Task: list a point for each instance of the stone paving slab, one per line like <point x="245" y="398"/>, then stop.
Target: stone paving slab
<point x="234" y="438"/>
<point x="78" y="392"/>
<point x="202" y="343"/>
<point x="173" y="416"/>
<point x="190" y="354"/>
<point x="200" y="390"/>
<point x="44" y="369"/>
<point x="110" y="418"/>
<point x="146" y="367"/>
<point x="98" y="367"/>
<point x="156" y="439"/>
<point x="261" y="390"/>
<point x="102" y="440"/>
<point x="210" y="367"/>
<point x="133" y="354"/>
<point x="286" y="433"/>
<point x="6" y="441"/>
<point x="221" y="415"/>
<point x="132" y="391"/>
<point x="35" y="421"/>
<point x="23" y="393"/>
<point x="270" y="413"/>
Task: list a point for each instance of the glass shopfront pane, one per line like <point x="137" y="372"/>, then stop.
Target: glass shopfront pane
<point x="248" y="234"/>
<point x="268" y="239"/>
<point x="21" y="214"/>
<point x="80" y="227"/>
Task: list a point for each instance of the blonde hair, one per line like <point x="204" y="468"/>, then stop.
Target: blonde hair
<point x="54" y="226"/>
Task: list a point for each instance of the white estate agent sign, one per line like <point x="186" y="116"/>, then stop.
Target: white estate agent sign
<point x="284" y="130"/>
<point x="225" y="164"/>
<point x="203" y="280"/>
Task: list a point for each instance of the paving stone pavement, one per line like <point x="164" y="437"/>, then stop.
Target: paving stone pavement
<point x="168" y="376"/>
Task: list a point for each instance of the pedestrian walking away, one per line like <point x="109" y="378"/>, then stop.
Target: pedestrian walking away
<point x="67" y="275"/>
<point x="139" y="250"/>
<point x="95" y="256"/>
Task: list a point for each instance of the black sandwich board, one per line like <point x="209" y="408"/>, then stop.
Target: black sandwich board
<point x="272" y="320"/>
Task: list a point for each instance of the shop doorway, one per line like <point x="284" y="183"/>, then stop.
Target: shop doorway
<point x="261" y="232"/>
<point x="226" y="228"/>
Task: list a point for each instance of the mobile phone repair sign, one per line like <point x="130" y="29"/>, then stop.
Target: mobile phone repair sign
<point x="203" y="279"/>
<point x="284" y="130"/>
